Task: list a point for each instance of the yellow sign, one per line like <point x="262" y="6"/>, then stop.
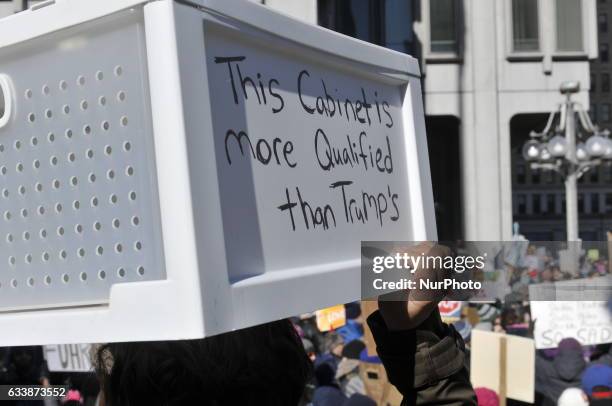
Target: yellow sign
<point x="593" y="254"/>
<point x="331" y="318"/>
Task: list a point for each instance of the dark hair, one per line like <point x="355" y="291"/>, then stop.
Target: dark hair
<point x="325" y="374"/>
<point x="261" y="365"/>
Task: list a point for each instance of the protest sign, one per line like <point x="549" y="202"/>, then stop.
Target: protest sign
<point x="68" y="357"/>
<point x="503" y="363"/>
<point x="450" y="310"/>
<point x="587" y="321"/>
<point x="593" y="254"/>
<point x="253" y="152"/>
<point x="330" y="318"/>
<point x="582" y="289"/>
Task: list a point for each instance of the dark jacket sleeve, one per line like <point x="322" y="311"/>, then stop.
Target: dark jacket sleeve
<point x="427" y="365"/>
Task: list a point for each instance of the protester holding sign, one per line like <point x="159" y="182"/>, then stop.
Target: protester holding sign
<point x="563" y="371"/>
<point x="423" y="357"/>
<point x="267" y="364"/>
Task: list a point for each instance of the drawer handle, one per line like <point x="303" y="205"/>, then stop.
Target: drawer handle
<point x="6" y="100"/>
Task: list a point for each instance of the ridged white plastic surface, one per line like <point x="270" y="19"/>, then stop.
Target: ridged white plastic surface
<point x="78" y="196"/>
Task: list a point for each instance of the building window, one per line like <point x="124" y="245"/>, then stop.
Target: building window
<point x="398" y="31"/>
<point x="443" y="24"/>
<point x="362" y="18"/>
<point x="521" y="204"/>
<point x="608" y="203"/>
<point x="605" y="82"/>
<point x="602" y="19"/>
<point x="550" y="204"/>
<point x="525" y="30"/>
<point x="549" y="177"/>
<point x="593" y="84"/>
<point x="569" y="25"/>
<point x="536" y="203"/>
<point x="605" y="112"/>
<point x="594" y="203"/>
<point x="520" y="174"/>
<point x="593" y="112"/>
<point x="604" y="54"/>
<point x="594" y="175"/>
<point x="580" y="203"/>
<point x="535" y="177"/>
<point x="386" y="23"/>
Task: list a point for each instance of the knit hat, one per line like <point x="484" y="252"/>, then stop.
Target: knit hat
<point x="596" y="375"/>
<point x="73" y="395"/>
<point x="573" y="397"/>
<point x="487" y="313"/>
<point x="486" y="397"/>
<point x="353" y="310"/>
<point x="372" y="359"/>
<point x="353" y="349"/>
<point x="569" y="344"/>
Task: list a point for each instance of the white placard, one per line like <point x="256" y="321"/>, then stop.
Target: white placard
<point x="275" y="147"/>
<point x="68" y="357"/>
<point x="587" y="321"/>
<point x="308" y="156"/>
<point x="518" y="359"/>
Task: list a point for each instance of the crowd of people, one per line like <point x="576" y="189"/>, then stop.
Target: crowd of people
<point x="293" y="362"/>
<point x="561" y="373"/>
<point x="543" y="264"/>
<point x="569" y="375"/>
<point x="332" y="370"/>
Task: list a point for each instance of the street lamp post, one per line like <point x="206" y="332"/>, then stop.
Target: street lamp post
<point x="571" y="176"/>
<point x="569" y="149"/>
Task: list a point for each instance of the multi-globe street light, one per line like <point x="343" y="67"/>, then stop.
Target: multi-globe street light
<point x="570" y="145"/>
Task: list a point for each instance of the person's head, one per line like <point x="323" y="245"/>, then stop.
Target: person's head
<point x="353" y="311"/>
<point x="73" y="398"/>
<point x="325" y="374"/>
<point x="546" y="275"/>
<point x="486" y="397"/>
<point x="26" y="360"/>
<point x="597" y="381"/>
<point x="334" y="344"/>
<point x="353" y="349"/>
<point x="264" y="364"/>
<point x="569" y="344"/>
<point x="573" y="397"/>
<point x="557" y="274"/>
<point x="509" y="317"/>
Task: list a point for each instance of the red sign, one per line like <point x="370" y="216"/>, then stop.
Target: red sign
<point x="450" y="310"/>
